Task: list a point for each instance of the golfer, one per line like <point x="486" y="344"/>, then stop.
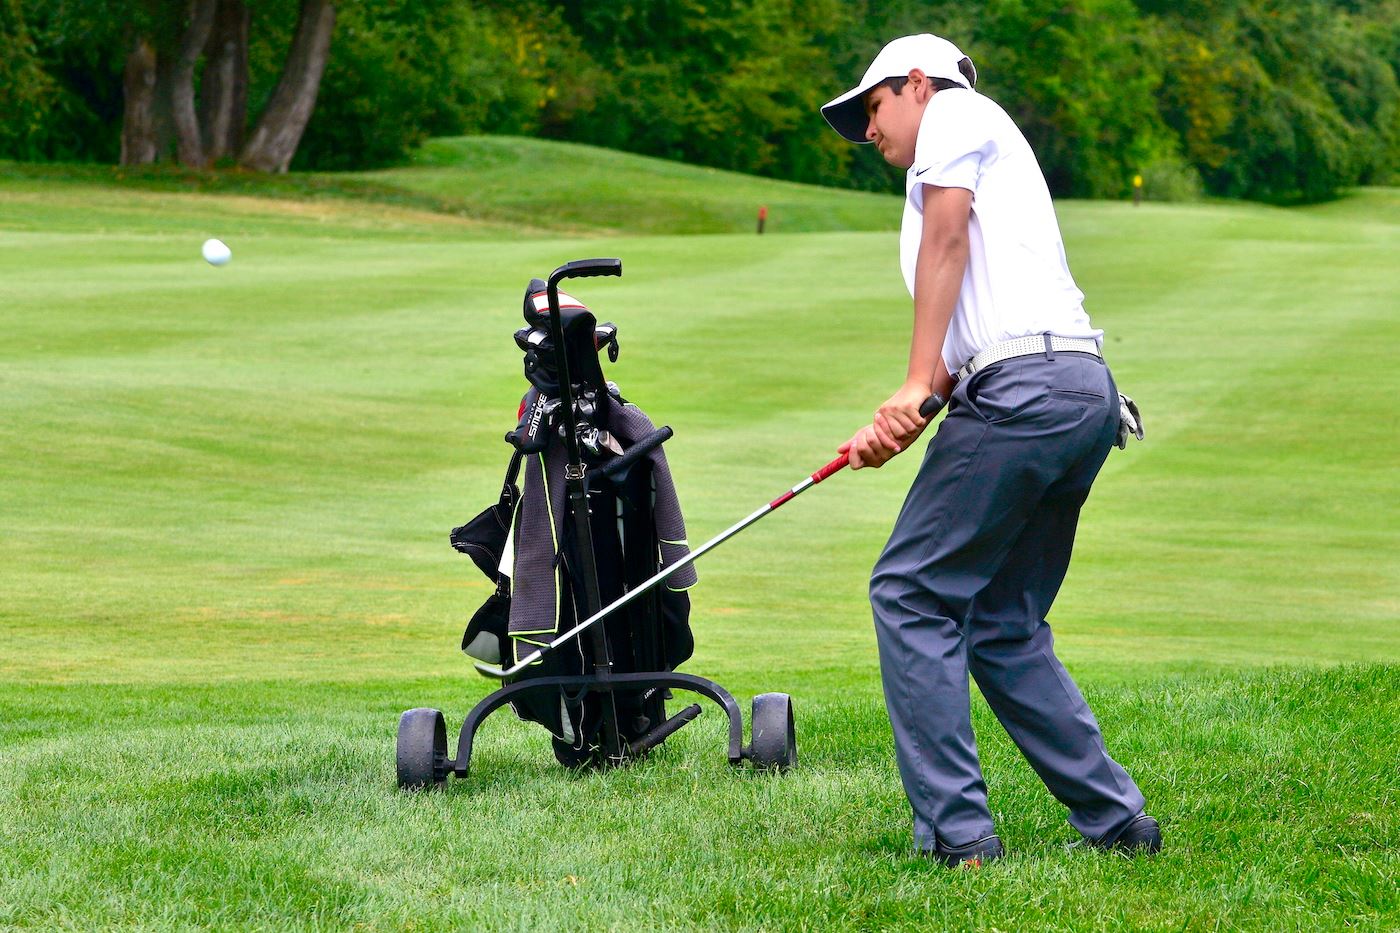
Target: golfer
<point x="983" y="540"/>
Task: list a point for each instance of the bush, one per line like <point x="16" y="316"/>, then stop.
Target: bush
<point x="1171" y="178"/>
<point x="392" y="75"/>
<point x="734" y="84"/>
<point x="1280" y="102"/>
<point x="27" y="92"/>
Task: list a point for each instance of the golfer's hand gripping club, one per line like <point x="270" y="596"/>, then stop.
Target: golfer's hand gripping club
<point x="855" y="453"/>
<point x="927" y="410"/>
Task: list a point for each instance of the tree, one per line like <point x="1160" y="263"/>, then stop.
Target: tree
<point x="1271" y="99"/>
<point x="274" y="141"/>
<point x="141" y="126"/>
<point x="164" y="50"/>
<point x="1282" y="101"/>
<point x="26" y="90"/>
<point x="223" y="88"/>
<point x="735" y="84"/>
<point x="404" y="70"/>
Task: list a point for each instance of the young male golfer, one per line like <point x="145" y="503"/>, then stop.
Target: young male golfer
<point x="983" y="541"/>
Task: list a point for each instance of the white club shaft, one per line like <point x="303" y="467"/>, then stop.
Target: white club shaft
<point x="627" y="597"/>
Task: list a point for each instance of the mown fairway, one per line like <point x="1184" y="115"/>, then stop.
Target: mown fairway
<point x="225" y="509"/>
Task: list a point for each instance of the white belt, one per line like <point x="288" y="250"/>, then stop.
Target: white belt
<point x="1033" y="345"/>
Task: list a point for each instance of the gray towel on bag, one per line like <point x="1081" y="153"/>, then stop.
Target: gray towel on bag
<point x="539" y="527"/>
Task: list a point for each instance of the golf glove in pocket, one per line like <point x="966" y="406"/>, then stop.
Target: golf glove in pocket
<point x="1129" y="421"/>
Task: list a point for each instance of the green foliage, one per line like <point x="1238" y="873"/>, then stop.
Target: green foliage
<point x="731" y="84"/>
<point x="1281" y="100"/>
<point x="26" y="90"/>
<point x="1169" y="177"/>
<point x="1079" y="82"/>
<point x="82" y="46"/>
<point x="384" y="84"/>
<point x="400" y="72"/>
<point x="60" y="78"/>
<point x="524" y="71"/>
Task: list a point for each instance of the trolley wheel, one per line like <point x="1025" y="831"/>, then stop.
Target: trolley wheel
<point x="774" y="745"/>
<point x="422" y="750"/>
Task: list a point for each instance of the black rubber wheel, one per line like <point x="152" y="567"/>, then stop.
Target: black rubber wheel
<point x="774" y="745"/>
<point x="422" y="750"/>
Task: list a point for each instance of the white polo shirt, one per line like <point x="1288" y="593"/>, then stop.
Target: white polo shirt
<point x="1017" y="281"/>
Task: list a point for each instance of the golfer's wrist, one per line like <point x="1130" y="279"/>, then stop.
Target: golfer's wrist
<point x="917" y="389"/>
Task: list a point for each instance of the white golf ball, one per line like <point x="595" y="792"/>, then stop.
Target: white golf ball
<point x="216" y="252"/>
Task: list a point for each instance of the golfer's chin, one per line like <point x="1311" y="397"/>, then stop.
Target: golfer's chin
<point x="898" y="160"/>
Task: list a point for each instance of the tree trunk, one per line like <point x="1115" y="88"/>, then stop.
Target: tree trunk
<point x="140" y="141"/>
<point x="223" y="88"/>
<point x="188" y="143"/>
<point x="275" y="139"/>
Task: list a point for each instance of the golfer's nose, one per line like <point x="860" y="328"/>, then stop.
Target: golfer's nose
<point x="870" y="130"/>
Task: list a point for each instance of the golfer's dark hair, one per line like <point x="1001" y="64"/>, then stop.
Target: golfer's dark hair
<point x="896" y="85"/>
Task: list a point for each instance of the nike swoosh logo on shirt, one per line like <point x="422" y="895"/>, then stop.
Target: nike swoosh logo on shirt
<point x="921" y="171"/>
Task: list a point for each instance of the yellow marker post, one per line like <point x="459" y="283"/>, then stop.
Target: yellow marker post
<point x="1137" y="190"/>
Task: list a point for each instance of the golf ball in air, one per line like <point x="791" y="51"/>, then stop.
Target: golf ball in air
<point x="216" y="252"/>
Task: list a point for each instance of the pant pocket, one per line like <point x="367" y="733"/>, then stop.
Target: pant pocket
<point x="995" y="394"/>
<point x="1076" y="395"/>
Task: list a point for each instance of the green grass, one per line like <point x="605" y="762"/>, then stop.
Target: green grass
<point x="540" y="182"/>
<point x="526" y="187"/>
<point x="227" y="494"/>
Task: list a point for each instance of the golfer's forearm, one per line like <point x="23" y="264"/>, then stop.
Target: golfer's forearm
<point x="938" y="280"/>
<point x="943" y="380"/>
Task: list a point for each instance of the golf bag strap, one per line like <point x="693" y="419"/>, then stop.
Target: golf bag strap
<point x="508" y="492"/>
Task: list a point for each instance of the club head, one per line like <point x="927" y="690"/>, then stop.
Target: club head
<point x="489" y="670"/>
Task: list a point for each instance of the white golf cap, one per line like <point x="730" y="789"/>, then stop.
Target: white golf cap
<point x="935" y="57"/>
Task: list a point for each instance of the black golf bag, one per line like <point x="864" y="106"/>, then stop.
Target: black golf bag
<point x="587" y="547"/>
<point x="527" y="543"/>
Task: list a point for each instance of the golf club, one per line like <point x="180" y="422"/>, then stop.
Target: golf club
<point x="927" y="410"/>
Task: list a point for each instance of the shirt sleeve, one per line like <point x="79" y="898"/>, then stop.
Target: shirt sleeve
<point x="952" y="142"/>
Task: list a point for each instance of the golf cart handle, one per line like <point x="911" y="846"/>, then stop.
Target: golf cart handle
<point x="637" y="451"/>
<point x="585" y="268"/>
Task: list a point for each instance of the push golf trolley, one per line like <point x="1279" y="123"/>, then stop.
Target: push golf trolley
<point x="590" y="540"/>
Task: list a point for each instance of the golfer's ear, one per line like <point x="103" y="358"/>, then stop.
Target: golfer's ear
<point x="920" y="85"/>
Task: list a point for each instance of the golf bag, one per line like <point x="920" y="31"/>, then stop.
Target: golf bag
<point x="526" y="543"/>
<point x="585" y="533"/>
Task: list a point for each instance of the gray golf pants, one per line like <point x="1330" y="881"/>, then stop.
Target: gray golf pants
<point x="976" y="557"/>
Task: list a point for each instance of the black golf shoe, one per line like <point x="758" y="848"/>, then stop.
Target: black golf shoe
<point x="1140" y="835"/>
<point x="973" y="855"/>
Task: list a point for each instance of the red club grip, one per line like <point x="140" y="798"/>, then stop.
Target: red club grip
<point x="835" y="466"/>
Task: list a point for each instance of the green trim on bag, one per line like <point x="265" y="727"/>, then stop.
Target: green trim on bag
<point x="553" y="537"/>
<point x="515" y="648"/>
